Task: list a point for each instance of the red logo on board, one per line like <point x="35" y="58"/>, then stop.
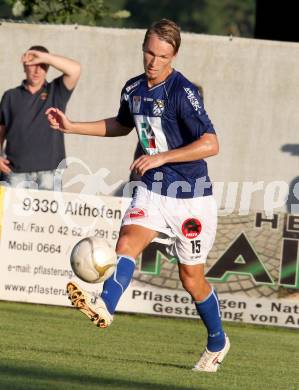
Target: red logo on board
<point x="191" y="228"/>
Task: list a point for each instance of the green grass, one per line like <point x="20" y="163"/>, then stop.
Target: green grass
<point x="45" y="347"/>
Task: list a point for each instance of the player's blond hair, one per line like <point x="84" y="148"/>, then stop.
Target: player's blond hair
<point x="167" y="31"/>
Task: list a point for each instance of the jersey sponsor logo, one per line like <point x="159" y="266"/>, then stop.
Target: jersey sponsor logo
<point x="191" y="228"/>
<point x="132" y="86"/>
<point x="158" y="107"/>
<point x="151" y="134"/>
<point x="136" y="213"/>
<point x="192" y="99"/>
<point x="148" y="139"/>
<point x="136" y="104"/>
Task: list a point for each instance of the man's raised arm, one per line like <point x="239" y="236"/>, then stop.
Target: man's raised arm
<point x="70" y="68"/>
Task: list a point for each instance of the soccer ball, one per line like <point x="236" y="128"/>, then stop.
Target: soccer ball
<point x="93" y="260"/>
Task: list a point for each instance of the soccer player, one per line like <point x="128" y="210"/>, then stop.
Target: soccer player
<point x="175" y="196"/>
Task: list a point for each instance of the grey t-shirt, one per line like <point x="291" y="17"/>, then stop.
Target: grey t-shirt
<point x="31" y="144"/>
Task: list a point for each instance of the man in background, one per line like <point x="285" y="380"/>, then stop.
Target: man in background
<point x="32" y="150"/>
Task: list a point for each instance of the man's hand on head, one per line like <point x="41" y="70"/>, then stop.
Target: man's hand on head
<point x="35" y="57"/>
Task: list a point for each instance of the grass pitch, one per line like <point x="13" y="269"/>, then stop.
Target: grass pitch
<point x="45" y="347"/>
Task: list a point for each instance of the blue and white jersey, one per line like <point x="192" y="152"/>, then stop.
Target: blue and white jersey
<point x="168" y="116"/>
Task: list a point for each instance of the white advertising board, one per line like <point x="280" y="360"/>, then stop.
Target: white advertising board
<point x="39" y="230"/>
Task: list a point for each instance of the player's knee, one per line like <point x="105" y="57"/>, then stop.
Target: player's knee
<point x="124" y="246"/>
<point x="193" y="285"/>
<point x="189" y="285"/>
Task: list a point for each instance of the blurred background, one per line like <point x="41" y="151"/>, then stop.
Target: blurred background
<point x="245" y="18"/>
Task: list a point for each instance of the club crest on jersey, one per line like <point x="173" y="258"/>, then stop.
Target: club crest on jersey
<point x="158" y="107"/>
<point x="136" y="104"/>
<point x="191" y="228"/>
<point x="43" y="96"/>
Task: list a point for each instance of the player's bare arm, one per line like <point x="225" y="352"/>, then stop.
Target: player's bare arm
<point x="202" y="148"/>
<point x="70" y="68"/>
<point x="109" y="127"/>
<point x="4" y="163"/>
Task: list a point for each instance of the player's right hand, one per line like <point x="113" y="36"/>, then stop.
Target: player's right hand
<point x="58" y="120"/>
<point x="4" y="166"/>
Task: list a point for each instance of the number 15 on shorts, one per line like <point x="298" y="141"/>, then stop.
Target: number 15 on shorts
<point x="195" y="246"/>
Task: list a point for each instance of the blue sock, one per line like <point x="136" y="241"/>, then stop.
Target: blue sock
<point x="114" y="287"/>
<point x="209" y="312"/>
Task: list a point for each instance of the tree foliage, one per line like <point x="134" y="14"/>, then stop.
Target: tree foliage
<point x="230" y="17"/>
<point x="221" y="17"/>
<point x="86" y="12"/>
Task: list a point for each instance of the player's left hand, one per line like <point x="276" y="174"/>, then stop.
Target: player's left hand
<point x="146" y="162"/>
<point x="34" y="57"/>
